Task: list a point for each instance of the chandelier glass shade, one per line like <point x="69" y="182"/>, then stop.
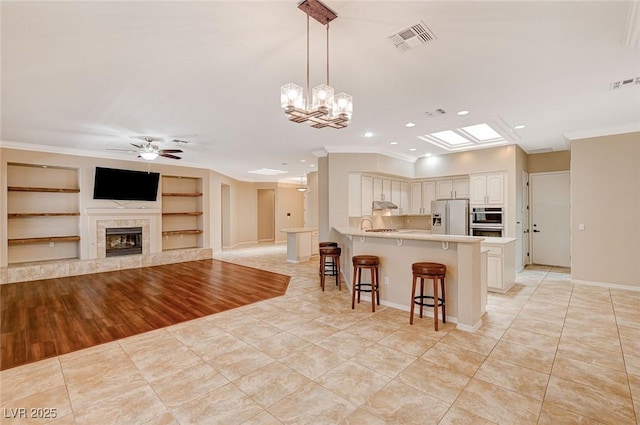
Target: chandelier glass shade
<point x="323" y="109"/>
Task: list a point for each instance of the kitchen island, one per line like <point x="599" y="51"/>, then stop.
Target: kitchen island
<point x="398" y="250"/>
<point x="302" y="243"/>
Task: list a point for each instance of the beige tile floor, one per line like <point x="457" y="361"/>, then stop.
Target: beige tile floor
<point x="549" y="352"/>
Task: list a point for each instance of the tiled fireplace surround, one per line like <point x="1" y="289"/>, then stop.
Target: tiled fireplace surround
<point x="98" y="222"/>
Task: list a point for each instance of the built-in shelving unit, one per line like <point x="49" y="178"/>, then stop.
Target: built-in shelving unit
<point x="44" y="240"/>
<point x="182" y="211"/>
<point x="43" y="213"/>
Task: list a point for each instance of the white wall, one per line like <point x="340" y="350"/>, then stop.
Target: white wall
<point x="605" y="197"/>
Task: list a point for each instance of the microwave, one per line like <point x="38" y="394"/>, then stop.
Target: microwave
<point x="486" y="217"/>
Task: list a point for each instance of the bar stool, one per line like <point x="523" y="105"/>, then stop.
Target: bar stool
<point x="370" y="262"/>
<point x="434" y="271"/>
<point x="330" y="253"/>
<point x="330" y="265"/>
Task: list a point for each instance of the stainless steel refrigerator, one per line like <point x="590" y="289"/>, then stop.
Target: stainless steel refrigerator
<point x="450" y="217"/>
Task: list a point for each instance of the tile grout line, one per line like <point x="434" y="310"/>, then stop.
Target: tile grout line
<point x="624" y="361"/>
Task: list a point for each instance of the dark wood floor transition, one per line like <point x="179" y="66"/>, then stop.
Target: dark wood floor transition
<point x="51" y="317"/>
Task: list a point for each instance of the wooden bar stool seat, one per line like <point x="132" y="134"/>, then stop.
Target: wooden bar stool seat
<point x="330" y="253"/>
<point x="330" y="265"/>
<point x="370" y="262"/>
<point x="435" y="272"/>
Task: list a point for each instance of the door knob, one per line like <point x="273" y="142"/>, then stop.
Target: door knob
<point x="536" y="231"/>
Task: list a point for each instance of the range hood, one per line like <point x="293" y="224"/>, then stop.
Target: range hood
<point x="383" y="205"/>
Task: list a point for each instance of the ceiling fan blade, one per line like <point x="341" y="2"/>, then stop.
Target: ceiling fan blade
<point x="179" y="141"/>
<point x="170" y="151"/>
<point x="166" y="155"/>
<point x="137" y="146"/>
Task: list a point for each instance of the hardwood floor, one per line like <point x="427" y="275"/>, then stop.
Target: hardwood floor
<point x="51" y="317"/>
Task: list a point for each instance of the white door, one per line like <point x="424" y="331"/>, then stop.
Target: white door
<point x="526" y="259"/>
<point x="550" y="219"/>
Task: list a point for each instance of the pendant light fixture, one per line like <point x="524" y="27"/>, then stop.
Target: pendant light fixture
<point x="302" y="187"/>
<point x="324" y="109"/>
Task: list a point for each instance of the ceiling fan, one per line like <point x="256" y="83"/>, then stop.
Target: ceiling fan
<point x="149" y="149"/>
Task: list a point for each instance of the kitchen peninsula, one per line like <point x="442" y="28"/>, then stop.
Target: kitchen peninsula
<point x="398" y="250"/>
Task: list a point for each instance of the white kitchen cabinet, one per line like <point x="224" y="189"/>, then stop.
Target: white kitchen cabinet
<point x="501" y="269"/>
<point x="366" y="186"/>
<point x="428" y="195"/>
<point x="415" y="189"/>
<point x="400" y="197"/>
<point x="381" y="189"/>
<point x="355" y="195"/>
<point x="377" y="189"/>
<point x="453" y="188"/>
<point x="422" y="193"/>
<point x="404" y="197"/>
<point x="487" y="189"/>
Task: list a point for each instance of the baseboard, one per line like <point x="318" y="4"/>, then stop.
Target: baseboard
<point x="605" y="285"/>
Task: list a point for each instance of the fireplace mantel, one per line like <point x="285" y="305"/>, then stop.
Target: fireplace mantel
<point x="122" y="211"/>
<point x="100" y="218"/>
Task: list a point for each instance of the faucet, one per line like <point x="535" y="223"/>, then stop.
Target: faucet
<point x="363" y="219"/>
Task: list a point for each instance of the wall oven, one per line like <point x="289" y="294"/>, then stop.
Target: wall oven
<point x="487" y="217"/>
<point x="486" y="222"/>
<point x="487" y="232"/>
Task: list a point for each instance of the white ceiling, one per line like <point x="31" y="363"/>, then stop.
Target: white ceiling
<point x="86" y="76"/>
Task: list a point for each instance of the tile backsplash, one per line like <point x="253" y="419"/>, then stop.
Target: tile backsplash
<point x="422" y="222"/>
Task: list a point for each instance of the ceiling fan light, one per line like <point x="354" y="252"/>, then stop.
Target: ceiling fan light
<point x="149" y="156"/>
<point x="301" y="189"/>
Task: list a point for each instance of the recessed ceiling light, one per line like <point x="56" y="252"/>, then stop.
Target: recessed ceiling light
<point x="427" y="155"/>
<point x="410" y="124"/>
<point x="463" y="112"/>
<point x="303" y="160"/>
<point x="393" y="143"/>
<point x="413" y="149"/>
<point x="518" y="127"/>
<point x="311" y="165"/>
<point x="368" y="134"/>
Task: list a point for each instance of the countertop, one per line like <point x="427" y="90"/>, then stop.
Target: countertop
<point x="299" y="230"/>
<point x="421" y="235"/>
<point x="425" y="235"/>
<point x="498" y="241"/>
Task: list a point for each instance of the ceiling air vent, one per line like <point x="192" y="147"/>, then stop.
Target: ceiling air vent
<point x="414" y="36"/>
<point x="630" y="82"/>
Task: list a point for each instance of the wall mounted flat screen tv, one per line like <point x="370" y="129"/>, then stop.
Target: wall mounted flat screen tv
<point x="125" y="185"/>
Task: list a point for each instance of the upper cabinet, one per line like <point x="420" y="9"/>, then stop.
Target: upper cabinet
<point x="381" y="189"/>
<point x="366" y="198"/>
<point x="487" y="189"/>
<point x="400" y="197"/>
<point x="452" y="188"/>
<point x="363" y="190"/>
<point x="422" y="193"/>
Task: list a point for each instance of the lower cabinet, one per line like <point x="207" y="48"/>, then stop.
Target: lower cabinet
<point x="501" y="270"/>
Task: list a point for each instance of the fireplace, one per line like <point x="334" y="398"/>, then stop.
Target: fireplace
<point x="123" y="241"/>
